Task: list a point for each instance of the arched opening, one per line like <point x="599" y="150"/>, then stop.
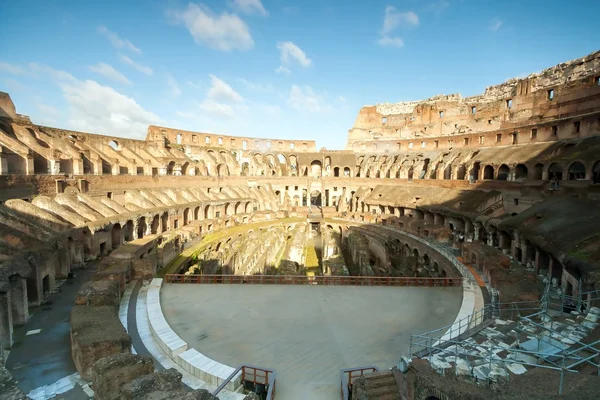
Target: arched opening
<point x="316" y="168"/>
<point x="596" y="172"/>
<point x="164" y="222"/>
<point x="336" y="171"/>
<point x="186" y="216"/>
<point x="248" y="208"/>
<point x="315" y="198"/>
<point x="503" y="172"/>
<point x="15" y="163"/>
<point x="488" y="172"/>
<point x="576" y="171"/>
<point x="106" y="167"/>
<point x="347" y="172"/>
<point x="521" y="171"/>
<point x="197" y="213"/>
<point x="461" y="173"/>
<point x="474" y="173"/>
<point x="555" y="171"/>
<point x="222" y="170"/>
<point x="228" y="209"/>
<point x="424" y="170"/>
<point x="114" y="145"/>
<point x="41" y="166"/>
<point x="170" y="168"/>
<point x="208" y="212"/>
<point x="66" y="166"/>
<point x="245" y="169"/>
<point x="155" y="225"/>
<point x="116" y="236"/>
<point x="128" y="231"/>
<point x="410" y="173"/>
<point x="141" y="229"/>
<point x="538" y="172"/>
<point x="416" y="257"/>
<point x="447" y="172"/>
<point x="184" y="168"/>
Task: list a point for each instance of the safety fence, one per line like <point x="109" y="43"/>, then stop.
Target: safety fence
<point x="313" y="280"/>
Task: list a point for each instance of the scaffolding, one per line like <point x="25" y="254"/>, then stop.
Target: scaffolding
<point x="550" y="344"/>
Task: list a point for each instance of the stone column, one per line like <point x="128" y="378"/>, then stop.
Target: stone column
<point x="149" y="228"/>
<point x="476" y="233"/>
<point x="18" y="299"/>
<point x="136" y="225"/>
<point x="6" y="323"/>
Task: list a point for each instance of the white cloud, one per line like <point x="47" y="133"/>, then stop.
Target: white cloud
<point x="97" y="108"/>
<point x="439" y="6"/>
<point x="223" y="32"/>
<point x="215" y="109"/>
<point x="12" y="69"/>
<point x="221" y="91"/>
<point x="290" y="52"/>
<point x="390" y="41"/>
<point x="495" y="24"/>
<point x="249" y="6"/>
<point x="303" y="99"/>
<point x="117" y="41"/>
<point x="393" y="20"/>
<point x="173" y="86"/>
<point x="142" y="68"/>
<point x="256" y="87"/>
<point x="109" y="72"/>
<point x="283" y="70"/>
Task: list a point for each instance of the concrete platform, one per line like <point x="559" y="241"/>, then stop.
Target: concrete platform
<point x="306" y="333"/>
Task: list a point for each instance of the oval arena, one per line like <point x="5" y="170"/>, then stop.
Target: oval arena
<point x="451" y="250"/>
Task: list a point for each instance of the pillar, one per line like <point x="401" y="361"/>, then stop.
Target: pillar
<point x="476" y="233"/>
<point x="6" y="323"/>
<point x="18" y="300"/>
<point x="136" y="225"/>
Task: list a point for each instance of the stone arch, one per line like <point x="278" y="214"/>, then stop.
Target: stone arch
<point x="555" y="170"/>
<point x="229" y="210"/>
<point x="186" y="216"/>
<point x="503" y="172"/>
<point x="222" y="170"/>
<point x="41" y="165"/>
<point x="170" y="168"/>
<point x="114" y="145"/>
<point x="461" y="173"/>
<point x="576" y="171"/>
<point x="164" y="222"/>
<point x="115" y="235"/>
<point x="197" y="213"/>
<point x="184" y="168"/>
<point x="208" y="212"/>
<point x="155" y="224"/>
<point x="448" y="172"/>
<point x="128" y="231"/>
<point x="245" y="169"/>
<point x="488" y="172"/>
<point x="316" y="168"/>
<point x="336" y="171"/>
<point x="474" y="172"/>
<point x="141" y="227"/>
<point x="347" y="172"/>
<point x="248" y="207"/>
<point x="538" y="172"/>
<point x="521" y="171"/>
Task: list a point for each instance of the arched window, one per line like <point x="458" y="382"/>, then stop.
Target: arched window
<point x="576" y="171"/>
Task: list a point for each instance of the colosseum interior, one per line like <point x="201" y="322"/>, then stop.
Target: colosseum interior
<point x="451" y="251"/>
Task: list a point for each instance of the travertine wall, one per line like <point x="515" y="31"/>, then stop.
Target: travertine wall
<point x="559" y="103"/>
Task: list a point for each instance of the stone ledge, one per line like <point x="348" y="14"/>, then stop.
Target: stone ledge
<point x="194" y="362"/>
<point x="166" y="338"/>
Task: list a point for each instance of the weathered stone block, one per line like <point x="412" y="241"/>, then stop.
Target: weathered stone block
<point x="111" y="373"/>
<point x="99" y="293"/>
<point x="96" y="332"/>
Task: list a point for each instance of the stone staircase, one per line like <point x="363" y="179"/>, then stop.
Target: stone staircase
<point x="381" y="386"/>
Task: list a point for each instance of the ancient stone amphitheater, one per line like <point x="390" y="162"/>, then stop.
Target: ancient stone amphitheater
<point x="451" y="251"/>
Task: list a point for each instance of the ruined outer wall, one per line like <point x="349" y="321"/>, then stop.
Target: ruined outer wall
<point x="517" y="105"/>
<point x="227" y="142"/>
<point x="7" y="107"/>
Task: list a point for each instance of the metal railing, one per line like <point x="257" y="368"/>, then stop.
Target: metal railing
<point x="256" y="376"/>
<point x="347" y="377"/>
<point x="313" y="280"/>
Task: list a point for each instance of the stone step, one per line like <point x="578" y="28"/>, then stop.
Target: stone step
<point x="384" y="381"/>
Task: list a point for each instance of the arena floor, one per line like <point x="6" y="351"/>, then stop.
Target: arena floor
<point x="306" y="333"/>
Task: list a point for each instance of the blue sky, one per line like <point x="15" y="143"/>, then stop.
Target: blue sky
<point x="269" y="68"/>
